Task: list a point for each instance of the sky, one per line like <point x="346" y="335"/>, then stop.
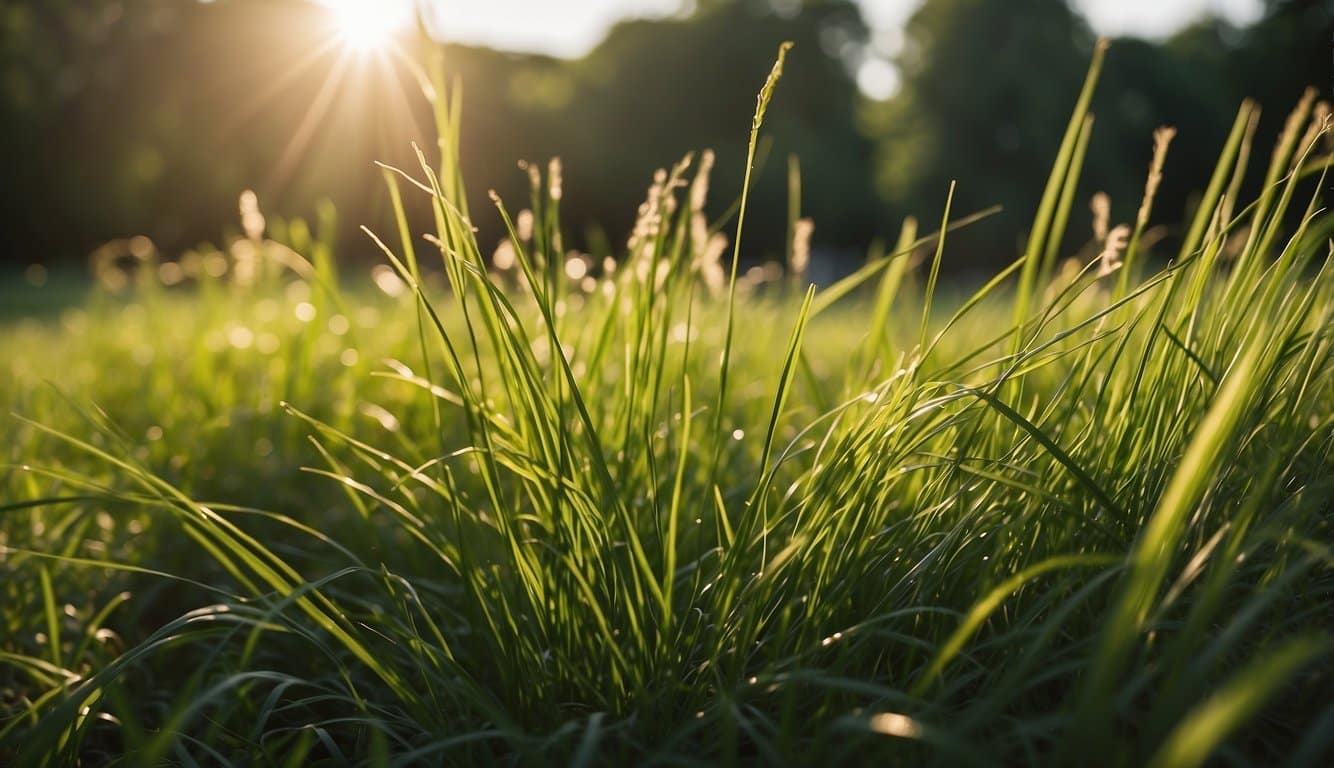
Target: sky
<point x="571" y="27"/>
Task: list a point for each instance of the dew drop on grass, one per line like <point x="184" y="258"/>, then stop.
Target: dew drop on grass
<point x="305" y="311"/>
<point x="384" y="417"/>
<point x="349" y="357"/>
<point x="240" y="337"/>
<point x="738" y="434"/>
<point x="267" y="343"/>
<point x="215" y="265"/>
<point x="576" y="268"/>
<point x="170" y="273"/>
<point x="339" y="325"/>
<point x="388" y="281"/>
<point x="894" y="724"/>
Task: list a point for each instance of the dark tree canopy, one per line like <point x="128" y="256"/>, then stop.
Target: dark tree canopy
<point x="987" y="89"/>
<point x="974" y="107"/>
<point x="119" y="118"/>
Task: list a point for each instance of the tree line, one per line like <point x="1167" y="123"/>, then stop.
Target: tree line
<point x="150" y="117"/>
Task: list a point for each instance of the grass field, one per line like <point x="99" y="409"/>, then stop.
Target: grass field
<point x="258" y="512"/>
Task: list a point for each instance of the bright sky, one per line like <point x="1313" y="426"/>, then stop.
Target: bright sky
<point x="564" y="28"/>
<point x="573" y="27"/>
<point x="1158" y="18"/>
<point x="1143" y="18"/>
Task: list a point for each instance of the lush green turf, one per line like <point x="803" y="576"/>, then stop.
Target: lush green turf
<point x="1082" y="519"/>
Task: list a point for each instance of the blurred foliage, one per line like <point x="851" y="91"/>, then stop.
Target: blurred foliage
<point x="976" y="107"/>
<point x="123" y="117"/>
<point x="983" y="82"/>
<point x="656" y="90"/>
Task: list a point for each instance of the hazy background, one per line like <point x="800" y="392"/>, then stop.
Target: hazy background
<point x="126" y="117"/>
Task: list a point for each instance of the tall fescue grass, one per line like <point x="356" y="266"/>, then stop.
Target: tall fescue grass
<point x="651" y="511"/>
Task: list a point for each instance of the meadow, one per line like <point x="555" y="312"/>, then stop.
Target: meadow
<point x="525" y="506"/>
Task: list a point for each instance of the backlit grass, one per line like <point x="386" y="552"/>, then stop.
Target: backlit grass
<point x="653" y="511"/>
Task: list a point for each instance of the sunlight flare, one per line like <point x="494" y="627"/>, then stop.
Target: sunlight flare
<point x="369" y="26"/>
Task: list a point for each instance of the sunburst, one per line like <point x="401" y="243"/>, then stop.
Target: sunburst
<point x="369" y="26"/>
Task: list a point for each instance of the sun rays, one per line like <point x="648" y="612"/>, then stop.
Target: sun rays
<point x="366" y="49"/>
<point x="369" y="26"/>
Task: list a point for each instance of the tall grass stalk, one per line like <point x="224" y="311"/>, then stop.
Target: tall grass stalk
<point x="529" y="510"/>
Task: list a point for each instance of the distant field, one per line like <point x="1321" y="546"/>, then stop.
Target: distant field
<point x="35" y="293"/>
<point x="530" y="507"/>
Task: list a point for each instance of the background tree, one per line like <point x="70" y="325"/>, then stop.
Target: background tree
<point x="120" y="118"/>
<point x="986" y="89"/>
<point x="689" y="85"/>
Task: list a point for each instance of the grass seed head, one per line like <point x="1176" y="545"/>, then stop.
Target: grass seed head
<point x="534" y="175"/>
<point x="1318" y="127"/>
<point x="649" y="220"/>
<point x="699" y="189"/>
<point x="1112" y="249"/>
<point x="252" y="220"/>
<point x="555" y="180"/>
<point x="1101" y="206"/>
<point x="709" y="264"/>
<point x="801" y="246"/>
<point x="504" y="256"/>
<point x="1162" y="138"/>
<point x="523" y="225"/>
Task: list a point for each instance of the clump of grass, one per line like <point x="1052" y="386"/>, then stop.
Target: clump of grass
<point x="619" y="513"/>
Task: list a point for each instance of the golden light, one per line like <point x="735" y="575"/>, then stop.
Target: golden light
<point x="369" y="26"/>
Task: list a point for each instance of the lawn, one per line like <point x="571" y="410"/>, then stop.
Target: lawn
<point x="260" y="507"/>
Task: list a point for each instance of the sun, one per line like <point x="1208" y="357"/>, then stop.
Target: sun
<point x="369" y="26"/>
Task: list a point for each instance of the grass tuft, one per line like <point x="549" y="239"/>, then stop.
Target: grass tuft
<point x="536" y="508"/>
